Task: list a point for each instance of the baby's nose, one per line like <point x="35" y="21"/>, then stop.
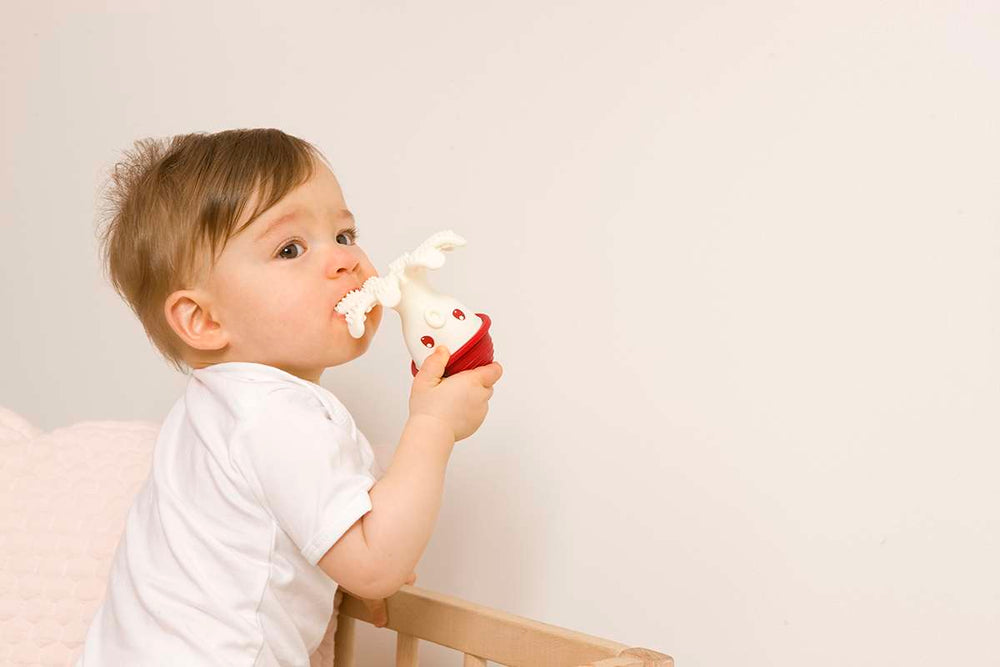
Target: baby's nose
<point x="340" y="262"/>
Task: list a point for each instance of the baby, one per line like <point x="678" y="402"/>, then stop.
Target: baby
<point x="264" y="496"/>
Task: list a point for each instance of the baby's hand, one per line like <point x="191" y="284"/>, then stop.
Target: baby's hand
<point x="460" y="401"/>
<point x="380" y="616"/>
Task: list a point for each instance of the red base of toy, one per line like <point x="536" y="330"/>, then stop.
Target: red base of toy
<point x="477" y="351"/>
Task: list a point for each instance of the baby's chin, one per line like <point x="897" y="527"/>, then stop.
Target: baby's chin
<point x="373" y="320"/>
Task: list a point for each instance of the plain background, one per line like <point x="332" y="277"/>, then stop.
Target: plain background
<point x="742" y="261"/>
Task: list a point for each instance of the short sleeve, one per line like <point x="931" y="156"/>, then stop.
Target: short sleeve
<point x="307" y="470"/>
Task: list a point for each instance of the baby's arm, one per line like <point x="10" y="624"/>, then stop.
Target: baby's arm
<point x="376" y="555"/>
<point x="381" y="550"/>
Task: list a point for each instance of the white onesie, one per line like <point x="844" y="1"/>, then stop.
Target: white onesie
<point x="255" y="474"/>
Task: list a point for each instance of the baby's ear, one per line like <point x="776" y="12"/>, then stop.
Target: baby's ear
<point x="189" y="318"/>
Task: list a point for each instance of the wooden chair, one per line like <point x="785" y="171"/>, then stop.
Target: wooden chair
<point x="482" y="634"/>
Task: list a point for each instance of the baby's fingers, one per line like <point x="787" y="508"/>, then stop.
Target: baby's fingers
<point x="489" y="374"/>
<point x="380" y="616"/>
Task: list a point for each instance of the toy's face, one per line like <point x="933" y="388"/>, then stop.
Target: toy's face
<point x="430" y="319"/>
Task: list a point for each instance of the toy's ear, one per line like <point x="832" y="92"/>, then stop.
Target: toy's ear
<point x="188" y="314"/>
<point x="426" y="257"/>
<point x="429" y="254"/>
<point x="446" y="240"/>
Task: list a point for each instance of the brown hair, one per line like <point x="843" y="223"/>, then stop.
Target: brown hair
<point x="168" y="201"/>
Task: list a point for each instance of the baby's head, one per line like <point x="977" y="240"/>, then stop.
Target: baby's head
<point x="236" y="246"/>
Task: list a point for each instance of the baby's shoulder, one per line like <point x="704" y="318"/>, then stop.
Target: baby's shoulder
<point x="271" y="398"/>
<point x="252" y="394"/>
<point x="299" y="401"/>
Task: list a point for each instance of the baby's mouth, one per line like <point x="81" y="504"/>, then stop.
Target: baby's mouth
<point x="344" y="296"/>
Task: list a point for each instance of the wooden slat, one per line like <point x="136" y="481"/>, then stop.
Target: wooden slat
<point x="635" y="657"/>
<point x="473" y="661"/>
<point x="343" y="642"/>
<point x="488" y="633"/>
<point x="649" y="658"/>
<point x="407" y="650"/>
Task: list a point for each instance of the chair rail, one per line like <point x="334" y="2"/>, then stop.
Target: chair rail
<point x="482" y="633"/>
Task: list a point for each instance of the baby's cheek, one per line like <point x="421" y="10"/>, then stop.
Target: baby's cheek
<point x="373" y="318"/>
<point x="287" y="308"/>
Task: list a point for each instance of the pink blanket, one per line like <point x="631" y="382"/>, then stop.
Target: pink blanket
<point x="64" y="496"/>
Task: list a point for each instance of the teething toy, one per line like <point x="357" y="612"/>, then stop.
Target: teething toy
<point x="428" y="318"/>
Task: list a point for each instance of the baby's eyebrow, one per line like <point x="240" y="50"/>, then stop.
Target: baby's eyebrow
<point x="292" y="215"/>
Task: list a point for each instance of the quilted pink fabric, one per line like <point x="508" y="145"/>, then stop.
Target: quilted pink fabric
<point x="64" y="496"/>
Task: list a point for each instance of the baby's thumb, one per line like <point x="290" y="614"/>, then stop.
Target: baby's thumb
<point x="433" y="366"/>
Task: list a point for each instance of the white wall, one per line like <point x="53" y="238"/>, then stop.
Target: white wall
<point x="741" y="258"/>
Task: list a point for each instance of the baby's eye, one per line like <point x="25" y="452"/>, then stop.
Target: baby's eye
<point x="282" y="254"/>
<point x="350" y="235"/>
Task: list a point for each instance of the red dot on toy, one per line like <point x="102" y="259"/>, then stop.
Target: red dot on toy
<point x="427" y="341"/>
